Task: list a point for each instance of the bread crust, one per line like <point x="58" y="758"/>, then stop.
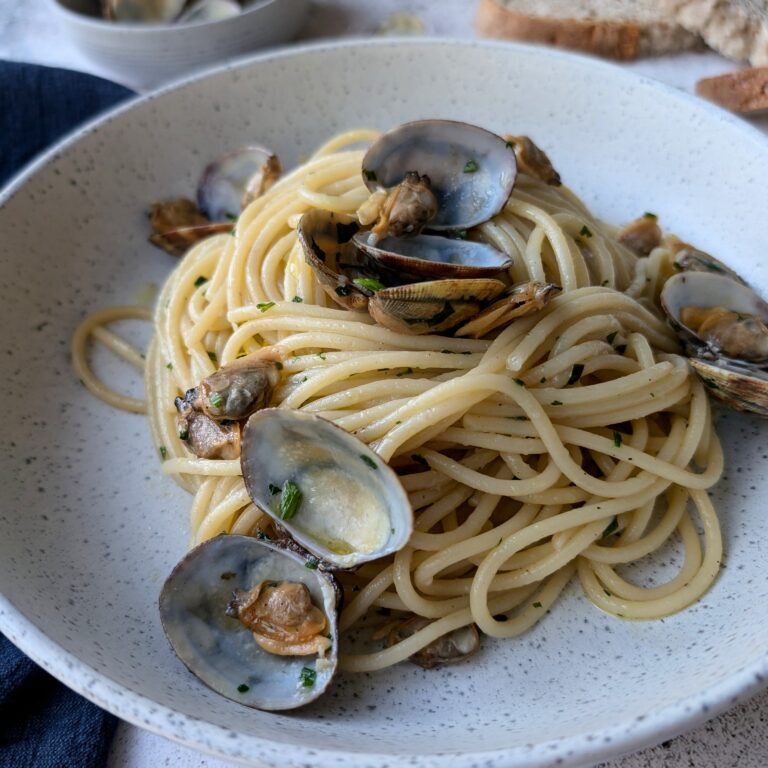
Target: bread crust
<point x="622" y="40"/>
<point x="743" y="91"/>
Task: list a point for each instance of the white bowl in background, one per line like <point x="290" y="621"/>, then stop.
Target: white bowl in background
<point x="89" y="526"/>
<point x="145" y="55"/>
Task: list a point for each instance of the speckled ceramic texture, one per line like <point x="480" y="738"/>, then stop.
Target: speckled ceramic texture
<point x="89" y="527"/>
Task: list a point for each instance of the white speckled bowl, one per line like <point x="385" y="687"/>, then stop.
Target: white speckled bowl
<point x="89" y="527"/>
<point x="145" y="55"/>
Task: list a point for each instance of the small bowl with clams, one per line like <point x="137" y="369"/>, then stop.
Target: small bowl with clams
<point x="143" y="43"/>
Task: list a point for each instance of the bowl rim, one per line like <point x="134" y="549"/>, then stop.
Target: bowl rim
<point x="575" y="750"/>
<point x="132" y="27"/>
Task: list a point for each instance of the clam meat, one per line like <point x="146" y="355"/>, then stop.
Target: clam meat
<point x="450" y="648"/>
<point x="724" y="326"/>
<point x="330" y="492"/>
<point x="254" y="620"/>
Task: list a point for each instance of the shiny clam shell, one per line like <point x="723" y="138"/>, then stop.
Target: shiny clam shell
<point x="430" y="257"/>
<point x="222" y="652"/>
<point x="333" y="495"/>
<point x="209" y="10"/>
<point x="737" y="387"/>
<point x="434" y="306"/>
<point x="472" y="171"/>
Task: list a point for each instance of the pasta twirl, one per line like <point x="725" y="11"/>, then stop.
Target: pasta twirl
<point x="574" y="442"/>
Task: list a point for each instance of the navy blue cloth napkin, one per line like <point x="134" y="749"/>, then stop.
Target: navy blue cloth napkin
<point x="42" y="723"/>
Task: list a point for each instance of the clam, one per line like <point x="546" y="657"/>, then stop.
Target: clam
<point x="641" y="235"/>
<point x="533" y="160"/>
<point x="345" y="276"/>
<point x="434" y="306"/>
<point x="471" y="170"/>
<point x="209" y="414"/>
<point x="178" y="241"/>
<point x="429" y="256"/>
<point x="209" y="10"/>
<point x="327" y="489"/>
<point x="231" y="182"/>
<point x="159" y="11"/>
<point x="518" y="301"/>
<point x="254" y="620"/>
<point x="450" y="648"/>
<point x="723" y="325"/>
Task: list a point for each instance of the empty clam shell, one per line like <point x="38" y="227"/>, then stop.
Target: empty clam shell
<point x="219" y="649"/>
<point x="429" y="256"/>
<point x="472" y="171"/>
<point x="333" y="494"/>
<point x="230" y="182"/>
<point x="434" y="306"/>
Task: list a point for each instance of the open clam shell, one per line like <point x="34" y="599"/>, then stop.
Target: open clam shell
<point x="325" y="238"/>
<point x="431" y="257"/>
<point x="472" y="171"/>
<point x="232" y="181"/>
<point x="218" y="648"/>
<point x="744" y="339"/>
<point x="434" y="306"/>
<point x="741" y="388"/>
<point x="334" y="495"/>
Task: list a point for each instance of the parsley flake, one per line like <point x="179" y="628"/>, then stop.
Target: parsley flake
<point x="290" y="501"/>
<point x="537" y="604"/>
<point x="200" y="281"/>
<point x="471" y="166"/>
<point x="617" y="439"/>
<point x="556" y="402"/>
<point x="265" y="305"/>
<point x="611" y="527"/>
<point x="576" y="372"/>
<point x="649" y="215"/>
<point x="163" y="452"/>
<point x="307" y="677"/>
<point x="585" y="231"/>
<point x="312" y="564"/>
<point x="212" y="357"/>
<point x="184" y="432"/>
<point x="243" y="688"/>
<point x="216" y="400"/>
<point x="369" y="461"/>
<point x="297" y="300"/>
<point x="169" y="366"/>
<point x="369" y="283"/>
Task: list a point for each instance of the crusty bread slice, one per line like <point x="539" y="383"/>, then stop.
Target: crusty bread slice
<point x="736" y="28"/>
<point x="745" y="90"/>
<point x="618" y="29"/>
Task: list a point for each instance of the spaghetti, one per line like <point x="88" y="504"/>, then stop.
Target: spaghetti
<point x="575" y="442"/>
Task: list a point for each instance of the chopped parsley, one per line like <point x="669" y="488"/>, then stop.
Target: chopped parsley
<point x="163" y="452"/>
<point x="297" y="300"/>
<point x="228" y="575"/>
<point x="184" y="432"/>
<point x="265" y="305"/>
<point x="585" y="231"/>
<point x="611" y="336"/>
<point x="617" y="439"/>
<point x="212" y="357"/>
<point x="537" y="604"/>
<point x="369" y="461"/>
<point x="312" y="563"/>
<point x="243" y="688"/>
<point x="369" y="175"/>
<point x="307" y="677"/>
<point x="200" y="281"/>
<point x="471" y="166"/>
<point x="216" y="400"/>
<point x="369" y="283"/>
<point x="169" y="366"/>
<point x="576" y="372"/>
<point x="261" y="536"/>
<point x="290" y="501"/>
<point x="321" y="355"/>
<point x="556" y="402"/>
<point x="278" y="365"/>
<point x="612" y="527"/>
<point x="649" y="215"/>
<point x="510" y="144"/>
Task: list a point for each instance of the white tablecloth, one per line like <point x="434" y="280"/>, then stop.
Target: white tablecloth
<point x="29" y="32"/>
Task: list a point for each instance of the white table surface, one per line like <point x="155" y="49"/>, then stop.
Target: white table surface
<point x="29" y="32"/>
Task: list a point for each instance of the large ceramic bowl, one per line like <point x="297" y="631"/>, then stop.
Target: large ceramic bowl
<point x="89" y="527"/>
